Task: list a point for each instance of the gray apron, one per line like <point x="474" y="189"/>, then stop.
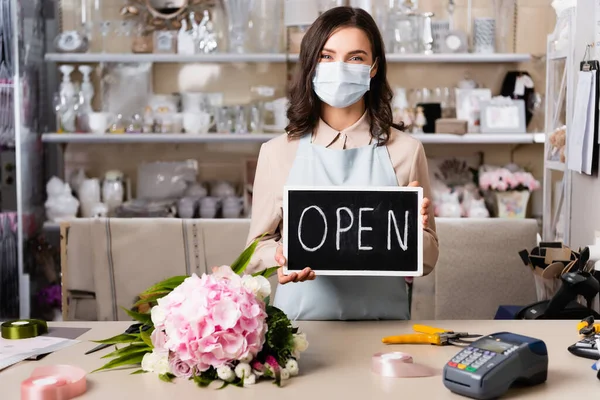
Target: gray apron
<point x="343" y="297"/>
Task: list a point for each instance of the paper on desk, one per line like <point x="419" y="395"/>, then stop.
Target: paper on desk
<point x="16" y="350"/>
<point x="576" y="136"/>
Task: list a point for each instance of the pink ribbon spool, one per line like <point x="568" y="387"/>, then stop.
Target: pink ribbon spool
<point x="398" y="365"/>
<point x="54" y="382"/>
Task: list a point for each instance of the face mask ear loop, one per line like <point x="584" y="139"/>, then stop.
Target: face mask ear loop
<point x="374" y="64"/>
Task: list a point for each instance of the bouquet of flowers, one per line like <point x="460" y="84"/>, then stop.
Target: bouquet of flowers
<point x="215" y="328"/>
<point x="503" y="180"/>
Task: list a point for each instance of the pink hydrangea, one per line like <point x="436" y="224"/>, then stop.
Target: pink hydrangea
<point x="502" y="180"/>
<point x="211" y="320"/>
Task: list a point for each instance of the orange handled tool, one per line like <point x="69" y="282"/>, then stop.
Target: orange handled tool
<point x="430" y="335"/>
<point x="413" y="338"/>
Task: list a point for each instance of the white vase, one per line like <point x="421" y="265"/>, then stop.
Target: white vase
<point x="57" y="315"/>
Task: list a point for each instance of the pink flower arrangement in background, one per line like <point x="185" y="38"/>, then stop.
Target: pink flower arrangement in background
<point x="503" y="180"/>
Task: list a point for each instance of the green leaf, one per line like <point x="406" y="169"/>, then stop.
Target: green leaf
<point x="267" y="272"/>
<point x="239" y="265"/>
<point x="145" y="335"/>
<point x="168" y="284"/>
<point x="138" y="372"/>
<point x="151" y="298"/>
<point x="168" y="377"/>
<point x="224" y="385"/>
<point x="130" y="359"/>
<point x="122" y="338"/>
<point x="144" y="318"/>
<point x="131" y="349"/>
<point x="202" y="381"/>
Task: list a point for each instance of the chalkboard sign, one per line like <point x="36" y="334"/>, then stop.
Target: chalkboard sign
<point x="353" y="231"/>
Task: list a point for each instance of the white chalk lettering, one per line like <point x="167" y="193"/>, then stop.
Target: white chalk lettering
<point x="312" y="249"/>
<point x="361" y="229"/>
<point x="339" y="228"/>
<point x="403" y="243"/>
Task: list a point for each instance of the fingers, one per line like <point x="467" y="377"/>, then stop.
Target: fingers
<point x="425" y="206"/>
<point x="305" y="275"/>
<point x="283" y="279"/>
<point x="279" y="258"/>
<point x="414" y="184"/>
<point x="425" y="212"/>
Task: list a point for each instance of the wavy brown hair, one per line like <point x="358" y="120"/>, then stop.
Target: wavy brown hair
<point x="305" y="107"/>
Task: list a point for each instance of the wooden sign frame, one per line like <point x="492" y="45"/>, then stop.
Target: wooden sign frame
<point x="418" y="190"/>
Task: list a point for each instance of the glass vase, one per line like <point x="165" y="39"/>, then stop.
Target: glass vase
<point x="266" y="23"/>
<point x="238" y="15"/>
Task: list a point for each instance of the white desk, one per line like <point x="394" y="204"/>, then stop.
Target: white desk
<point x="336" y="366"/>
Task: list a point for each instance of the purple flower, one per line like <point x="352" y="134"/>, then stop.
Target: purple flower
<point x="50" y="296"/>
<point x="179" y="368"/>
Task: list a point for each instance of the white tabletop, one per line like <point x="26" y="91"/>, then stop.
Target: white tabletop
<point x="335" y="366"/>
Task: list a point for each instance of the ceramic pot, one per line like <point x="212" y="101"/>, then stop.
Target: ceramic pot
<point x="512" y="204"/>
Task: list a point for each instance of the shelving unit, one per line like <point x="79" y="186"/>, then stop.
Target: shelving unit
<point x="438" y="138"/>
<point x="272" y="58"/>
<point x="555" y="166"/>
<point x="559" y="87"/>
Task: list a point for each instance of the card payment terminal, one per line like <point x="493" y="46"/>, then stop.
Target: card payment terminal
<point x="491" y="365"/>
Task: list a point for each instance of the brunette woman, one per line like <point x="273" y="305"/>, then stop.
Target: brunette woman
<point x="340" y="132"/>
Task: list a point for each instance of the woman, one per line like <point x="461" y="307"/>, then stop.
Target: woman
<point x="340" y="132"/>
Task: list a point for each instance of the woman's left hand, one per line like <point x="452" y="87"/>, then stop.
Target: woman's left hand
<point x="424" y="206"/>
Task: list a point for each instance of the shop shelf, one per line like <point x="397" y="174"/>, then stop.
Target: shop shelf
<point x="163" y="58"/>
<point x="441" y="138"/>
<point x="555" y="166"/>
<point x="273" y="58"/>
<point x="154" y="138"/>
<point x="478" y="138"/>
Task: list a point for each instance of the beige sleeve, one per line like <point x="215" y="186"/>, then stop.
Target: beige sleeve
<point x="266" y="215"/>
<point x="420" y="172"/>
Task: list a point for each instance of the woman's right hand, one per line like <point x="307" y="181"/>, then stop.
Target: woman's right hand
<point x="306" y="274"/>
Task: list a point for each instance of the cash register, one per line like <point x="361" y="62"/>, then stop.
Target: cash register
<point x="493" y="364"/>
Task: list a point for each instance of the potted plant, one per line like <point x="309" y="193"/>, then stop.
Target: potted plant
<point x="511" y="190"/>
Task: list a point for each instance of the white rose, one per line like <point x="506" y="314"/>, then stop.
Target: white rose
<point x="250" y="380"/>
<point x="162" y="366"/>
<point x="149" y="362"/>
<point x="251" y="284"/>
<point x="157" y="362"/>
<point x="158" y="315"/>
<point x="243" y="370"/>
<point x="225" y="373"/>
<point x="300" y="343"/>
<point x="265" y="287"/>
<point x="247" y="358"/>
<point x="285" y="374"/>
<point x="292" y="366"/>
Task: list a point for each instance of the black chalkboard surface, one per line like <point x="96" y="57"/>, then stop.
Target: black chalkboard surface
<point x="353" y="231"/>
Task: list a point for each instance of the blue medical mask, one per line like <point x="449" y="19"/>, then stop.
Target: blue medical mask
<point x="340" y="84"/>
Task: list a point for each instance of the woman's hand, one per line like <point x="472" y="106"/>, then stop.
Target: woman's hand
<point x="424" y="206"/>
<point x="304" y="275"/>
